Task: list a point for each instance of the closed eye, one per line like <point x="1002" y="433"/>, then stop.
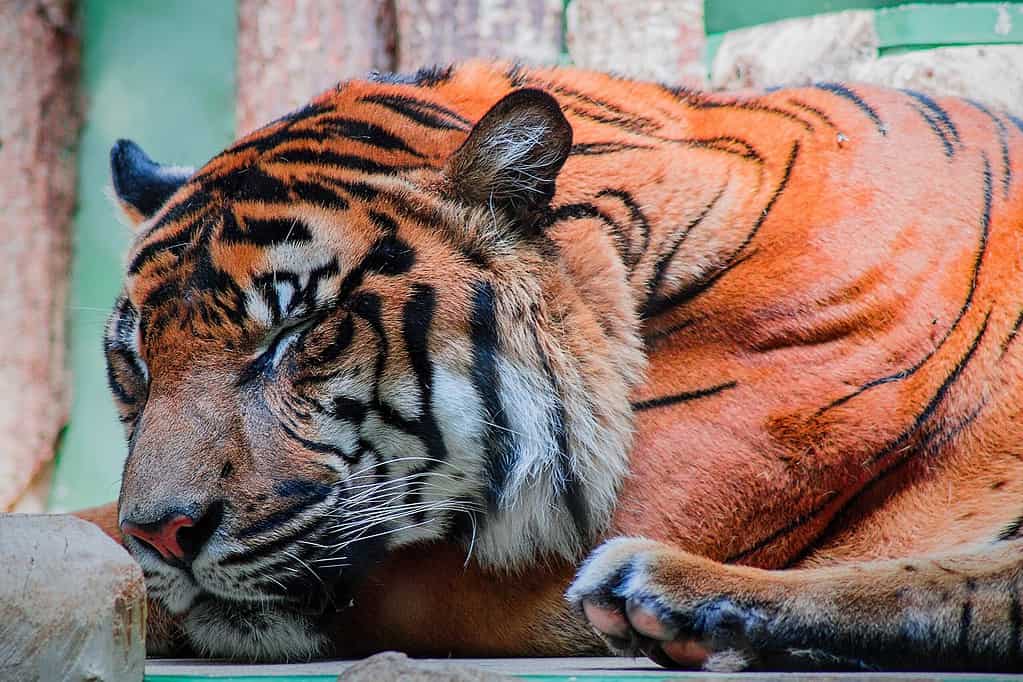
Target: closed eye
<point x="269" y="354"/>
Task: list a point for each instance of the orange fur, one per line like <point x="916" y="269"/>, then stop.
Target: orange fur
<point x="825" y="281"/>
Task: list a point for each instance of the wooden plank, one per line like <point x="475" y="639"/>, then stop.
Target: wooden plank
<point x="290" y="50"/>
<point x="432" y="32"/>
<point x="39" y="121"/>
<point x="660" y="41"/>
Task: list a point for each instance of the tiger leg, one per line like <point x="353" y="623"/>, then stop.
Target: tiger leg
<point x="957" y="611"/>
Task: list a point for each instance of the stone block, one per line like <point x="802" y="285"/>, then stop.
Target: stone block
<point x="72" y="603"/>
<point x="391" y="666"/>
<point x="795" y="51"/>
<point x="992" y="74"/>
<point x="660" y="40"/>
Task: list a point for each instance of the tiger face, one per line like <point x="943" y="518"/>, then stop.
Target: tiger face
<point x="334" y="340"/>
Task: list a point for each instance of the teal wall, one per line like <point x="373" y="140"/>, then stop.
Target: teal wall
<point x="161" y="72"/>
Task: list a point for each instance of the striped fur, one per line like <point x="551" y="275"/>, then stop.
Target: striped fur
<point x="766" y="329"/>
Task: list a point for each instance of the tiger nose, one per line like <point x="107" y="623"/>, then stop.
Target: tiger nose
<point x="178" y="536"/>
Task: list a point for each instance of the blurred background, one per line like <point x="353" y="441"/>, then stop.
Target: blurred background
<point x="185" y="77"/>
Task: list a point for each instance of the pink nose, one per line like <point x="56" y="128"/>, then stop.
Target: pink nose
<point x="162" y="535"/>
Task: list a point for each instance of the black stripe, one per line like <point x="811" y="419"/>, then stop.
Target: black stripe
<point x="389" y="256"/>
<point x="1016" y="121"/>
<point x="320" y="447"/>
<point x="813" y="110"/>
<point x="661" y="266"/>
<point x="499" y="445"/>
<point x="174" y="244"/>
<point x="985" y="224"/>
<point x="250" y="183"/>
<point x="197" y="200"/>
<point x="937" y="398"/>
<point x="302" y="532"/>
<point x="417" y="322"/>
<point x="935" y="439"/>
<point x="268" y="232"/>
<point x="598" y="148"/>
<point x="384" y="222"/>
<point x="965" y="622"/>
<point x="283" y="516"/>
<point x="686" y="396"/>
<point x="571" y="488"/>
<point x="938" y="120"/>
<point x="424" y="113"/>
<point x="587" y="210"/>
<point x="844" y="92"/>
<point x="638" y="221"/>
<point x="1003" y="141"/>
<point x="687" y="294"/>
<point x="1012" y="531"/>
<point x="116" y="387"/>
<point x="607" y="112"/>
<point x="784" y="530"/>
<point x="320" y="194"/>
<point x="334" y="160"/>
<point x="728" y="144"/>
<point x="367" y="133"/>
<point x="1015" y="622"/>
<point x="341" y="340"/>
<point x="669" y="331"/>
<point x="269" y="141"/>
<point x="755" y="106"/>
<point x="358" y="190"/>
<point x="896" y="445"/>
<point x="1012" y="332"/>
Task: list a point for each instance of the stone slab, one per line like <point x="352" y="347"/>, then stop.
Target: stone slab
<point x="583" y="669"/>
<point x="72" y="603"/>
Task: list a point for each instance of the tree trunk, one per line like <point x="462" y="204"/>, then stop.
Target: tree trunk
<point x="290" y="50"/>
<point x="39" y="121"/>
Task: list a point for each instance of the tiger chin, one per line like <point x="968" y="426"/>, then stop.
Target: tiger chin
<point x="391" y="366"/>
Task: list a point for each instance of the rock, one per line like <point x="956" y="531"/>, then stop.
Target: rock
<point x="844" y="47"/>
<point x="992" y="74"/>
<point x="391" y="666"/>
<point x="763" y="56"/>
<point x="446" y="31"/>
<point x="659" y="40"/>
<point x="290" y="51"/>
<point x="72" y="602"/>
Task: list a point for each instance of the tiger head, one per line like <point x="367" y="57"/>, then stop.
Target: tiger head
<point x="345" y="334"/>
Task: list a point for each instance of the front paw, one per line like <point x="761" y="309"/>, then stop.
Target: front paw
<point x="646" y="597"/>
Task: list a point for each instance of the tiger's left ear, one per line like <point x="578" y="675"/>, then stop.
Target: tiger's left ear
<point x="142" y="185"/>
<point x="512" y="157"/>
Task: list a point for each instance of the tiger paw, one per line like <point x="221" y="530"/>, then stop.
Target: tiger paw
<point x="647" y="598"/>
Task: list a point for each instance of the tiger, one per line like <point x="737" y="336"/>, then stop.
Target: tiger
<point x="494" y="360"/>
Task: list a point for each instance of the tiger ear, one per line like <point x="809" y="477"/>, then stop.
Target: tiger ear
<point x="513" y="155"/>
<point x="142" y="185"/>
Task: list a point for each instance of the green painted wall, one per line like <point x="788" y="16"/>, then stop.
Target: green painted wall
<point x="161" y="73"/>
<point x="728" y="15"/>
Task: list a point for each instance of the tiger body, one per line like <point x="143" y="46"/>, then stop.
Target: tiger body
<point x="770" y="329"/>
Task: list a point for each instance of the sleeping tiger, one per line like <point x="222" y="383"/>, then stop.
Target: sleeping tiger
<point x="392" y="365"/>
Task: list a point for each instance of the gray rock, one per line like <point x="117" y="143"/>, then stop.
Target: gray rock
<point x="72" y="602"/>
<point x="391" y="666"/>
